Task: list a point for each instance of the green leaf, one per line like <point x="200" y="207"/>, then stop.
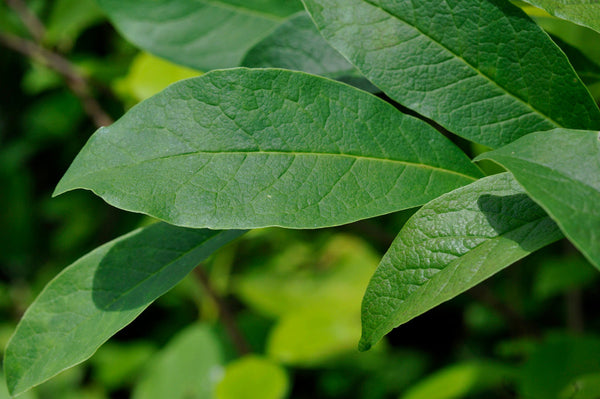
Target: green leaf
<point x="202" y="34"/>
<point x="582" y="12"/>
<point x="246" y="148"/>
<point x="253" y="377"/>
<point x="188" y="367"/>
<point x="461" y="380"/>
<point x="561" y="171"/>
<point x="297" y="45"/>
<point x="480" y="68"/>
<point x="450" y="245"/>
<point x="100" y="294"/>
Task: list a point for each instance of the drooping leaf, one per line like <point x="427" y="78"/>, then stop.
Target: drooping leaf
<point x="297" y="45"/>
<point x="560" y="170"/>
<point x="100" y="294"/>
<point x="480" y="68"/>
<point x="253" y="377"/>
<point x="202" y="34"/>
<point x="190" y="366"/>
<point x="266" y="147"/>
<point x="582" y="12"/>
<point x="450" y="245"/>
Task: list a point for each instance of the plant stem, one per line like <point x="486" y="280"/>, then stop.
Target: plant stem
<point x="29" y="19"/>
<point x="227" y="318"/>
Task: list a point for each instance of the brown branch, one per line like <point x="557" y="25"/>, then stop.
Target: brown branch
<point x="29" y="19"/>
<point x="76" y="81"/>
<point x="236" y="336"/>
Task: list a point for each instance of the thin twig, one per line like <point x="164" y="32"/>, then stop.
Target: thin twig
<point x="75" y="80"/>
<point x="236" y="336"/>
<point x="29" y="19"/>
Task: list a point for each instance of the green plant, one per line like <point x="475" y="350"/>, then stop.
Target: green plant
<point x="244" y="148"/>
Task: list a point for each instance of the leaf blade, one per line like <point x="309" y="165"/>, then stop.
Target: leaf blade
<point x="270" y="147"/>
<point x="565" y="183"/>
<point x="577" y="11"/>
<point x="451" y="244"/>
<point x="108" y="287"/>
<point x="468" y="65"/>
<point x="200" y="34"/>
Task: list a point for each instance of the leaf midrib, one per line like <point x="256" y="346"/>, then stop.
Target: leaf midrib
<point x="489" y="79"/>
<point x="284" y="153"/>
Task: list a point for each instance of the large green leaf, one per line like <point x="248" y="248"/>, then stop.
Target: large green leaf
<point x="203" y="34"/>
<point x="189" y="367"/>
<point x="480" y="68"/>
<point x="245" y="148"/>
<point x="448" y="246"/>
<point x="561" y="171"/>
<point x="100" y="294"/>
<point x="297" y="45"/>
<point x="582" y="12"/>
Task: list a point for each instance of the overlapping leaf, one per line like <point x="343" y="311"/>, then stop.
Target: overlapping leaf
<point x="451" y="244"/>
<point x="561" y="171"/>
<point x="298" y="45"/>
<point x="245" y="148"/>
<point x="582" y="12"/>
<point x="202" y="34"/>
<point x="100" y="294"/>
<point x="480" y="68"/>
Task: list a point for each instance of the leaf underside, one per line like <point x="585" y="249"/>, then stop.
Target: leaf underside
<point x="582" y="12"/>
<point x="450" y="245"/>
<point x="560" y="170"/>
<point x="244" y="148"/>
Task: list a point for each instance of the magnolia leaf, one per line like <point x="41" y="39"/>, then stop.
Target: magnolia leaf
<point x="202" y="34"/>
<point x="243" y="148"/>
<point x="481" y="68"/>
<point x="560" y="170"/>
<point x="98" y="295"/>
<point x="450" y="245"/>
<point x="582" y="12"/>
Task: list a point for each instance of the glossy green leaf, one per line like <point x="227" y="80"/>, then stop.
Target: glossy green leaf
<point x="245" y="148"/>
<point x="100" y="294"/>
<point x="450" y="245"/>
<point x="561" y="171"/>
<point x="202" y="34"/>
<point x="298" y="45"/>
<point x="480" y="68"/>
<point x="253" y="377"/>
<point x="582" y="12"/>
<point x="190" y="366"/>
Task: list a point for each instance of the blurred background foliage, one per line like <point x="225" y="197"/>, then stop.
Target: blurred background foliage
<point x="291" y="297"/>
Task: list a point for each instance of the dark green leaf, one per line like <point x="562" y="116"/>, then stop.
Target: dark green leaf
<point x="245" y="148"/>
<point x="201" y="34"/>
<point x="560" y="170"/>
<point x="480" y="68"/>
<point x="450" y="245"/>
<point x="100" y="294"/>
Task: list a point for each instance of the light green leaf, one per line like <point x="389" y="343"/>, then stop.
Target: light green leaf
<point x="253" y="377"/>
<point x="480" y="68"/>
<point x="202" y="34"/>
<point x="188" y="367"/>
<point x="254" y="148"/>
<point x="561" y="171"/>
<point x="297" y="45"/>
<point x="461" y="380"/>
<point x="100" y="294"/>
<point x="450" y="245"/>
<point x="582" y="12"/>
